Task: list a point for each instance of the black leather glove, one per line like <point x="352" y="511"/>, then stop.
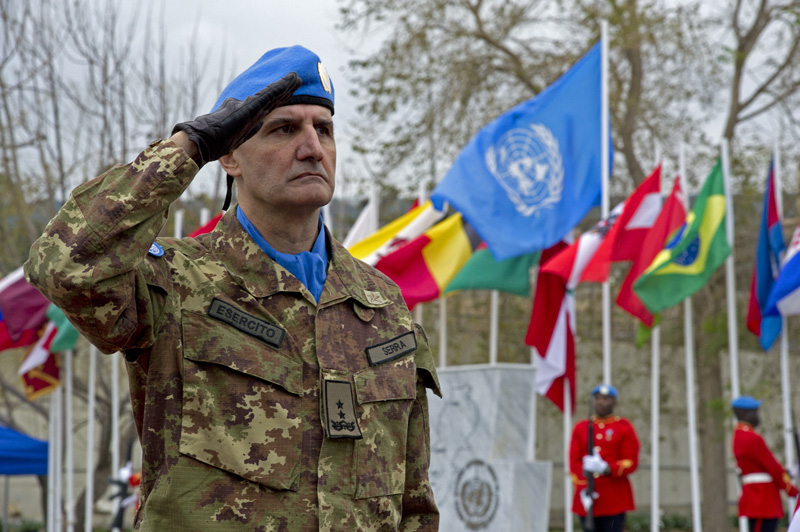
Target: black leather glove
<point x="227" y="128"/>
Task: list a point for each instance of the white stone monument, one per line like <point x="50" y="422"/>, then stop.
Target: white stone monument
<point x="480" y="435"/>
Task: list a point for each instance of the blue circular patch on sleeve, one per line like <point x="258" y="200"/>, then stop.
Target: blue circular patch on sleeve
<point x="155" y="250"/>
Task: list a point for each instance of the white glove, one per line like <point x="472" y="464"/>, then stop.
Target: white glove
<point x="587" y="501"/>
<point x="593" y="463"/>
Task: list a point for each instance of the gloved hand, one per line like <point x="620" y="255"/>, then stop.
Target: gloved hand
<point x="227" y="128"/>
<point x="586" y="500"/>
<point x="593" y="463"/>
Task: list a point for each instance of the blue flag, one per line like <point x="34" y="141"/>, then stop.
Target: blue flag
<point x="769" y="249"/>
<point x="784" y="298"/>
<point x="530" y="175"/>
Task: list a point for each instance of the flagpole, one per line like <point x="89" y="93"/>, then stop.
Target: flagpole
<point x="494" y="318"/>
<point x="604" y="148"/>
<point x="733" y="338"/>
<point x="70" y="453"/>
<point x="655" y="361"/>
<point x="57" y="461"/>
<point x="567" y="477"/>
<point x="179" y="223"/>
<point x="51" y="465"/>
<point x="115" y="424"/>
<point x="688" y="334"/>
<point x="655" y="405"/>
<point x="422" y="196"/>
<point x="442" y="332"/>
<point x="786" y="391"/>
<point x="531" y="455"/>
<point x="205" y="216"/>
<point x="90" y="407"/>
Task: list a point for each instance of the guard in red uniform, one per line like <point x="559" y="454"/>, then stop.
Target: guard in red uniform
<point x="762" y="476"/>
<point x="614" y="456"/>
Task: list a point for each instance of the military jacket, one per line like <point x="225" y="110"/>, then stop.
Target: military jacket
<point x="760" y="498"/>
<point x="618" y="444"/>
<point x="258" y="409"/>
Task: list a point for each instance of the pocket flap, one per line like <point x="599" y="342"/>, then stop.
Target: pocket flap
<point x="387" y="382"/>
<point x="209" y="341"/>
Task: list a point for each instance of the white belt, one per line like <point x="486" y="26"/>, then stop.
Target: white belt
<point x="756" y="478"/>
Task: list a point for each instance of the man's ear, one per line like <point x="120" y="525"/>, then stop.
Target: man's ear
<point x="230" y="165"/>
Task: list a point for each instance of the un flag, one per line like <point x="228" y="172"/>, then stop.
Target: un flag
<point x="529" y="176"/>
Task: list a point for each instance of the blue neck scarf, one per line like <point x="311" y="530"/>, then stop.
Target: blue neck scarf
<point x="310" y="267"/>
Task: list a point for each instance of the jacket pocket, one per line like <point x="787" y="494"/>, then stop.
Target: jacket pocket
<point x="385" y="396"/>
<point x="241" y="404"/>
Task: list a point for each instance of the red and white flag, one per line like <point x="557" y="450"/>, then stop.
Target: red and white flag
<point x="22" y="306"/>
<point x="668" y="221"/>
<point x="40" y="370"/>
<point x="629" y="230"/>
<point x="551" y="331"/>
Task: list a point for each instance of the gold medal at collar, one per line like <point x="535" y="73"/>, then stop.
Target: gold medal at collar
<point x="324" y="78"/>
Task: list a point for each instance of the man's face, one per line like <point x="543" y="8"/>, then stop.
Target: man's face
<point x="604" y="405"/>
<point x="289" y="164"/>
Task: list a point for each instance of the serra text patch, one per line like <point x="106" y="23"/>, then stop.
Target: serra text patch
<point x="392" y="349"/>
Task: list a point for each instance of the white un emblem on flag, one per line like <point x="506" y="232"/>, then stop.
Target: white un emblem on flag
<point x="527" y="164"/>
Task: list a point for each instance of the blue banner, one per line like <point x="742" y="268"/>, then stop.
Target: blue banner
<point x="529" y="176"/>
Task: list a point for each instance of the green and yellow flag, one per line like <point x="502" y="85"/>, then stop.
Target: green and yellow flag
<point x="693" y="254"/>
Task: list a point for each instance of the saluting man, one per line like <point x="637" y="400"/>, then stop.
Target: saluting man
<point x="762" y="476"/>
<point x="614" y="456"/>
<point x="278" y="384"/>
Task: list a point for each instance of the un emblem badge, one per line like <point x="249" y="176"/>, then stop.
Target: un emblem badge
<point x="477" y="495"/>
<point x="527" y="163"/>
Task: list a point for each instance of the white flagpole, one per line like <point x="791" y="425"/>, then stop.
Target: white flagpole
<point x="205" y="216"/>
<point x="493" y="326"/>
<point x="567" y="477"/>
<point x="422" y="197"/>
<point x="688" y="339"/>
<point x="733" y="338"/>
<point x="442" y="332"/>
<point x="51" y="466"/>
<point x="89" y="502"/>
<point x="70" y="452"/>
<point x="115" y="460"/>
<point x="604" y="144"/>
<point x="786" y="391"/>
<point x="57" y="462"/>
<point x="179" y="223"/>
<point x="655" y="405"/>
<point x="531" y="455"/>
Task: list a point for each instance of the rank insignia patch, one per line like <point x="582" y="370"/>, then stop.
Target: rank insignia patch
<point x="340" y="410"/>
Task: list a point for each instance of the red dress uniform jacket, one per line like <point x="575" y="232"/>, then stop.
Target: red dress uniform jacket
<point x="760" y="498"/>
<point x="618" y="445"/>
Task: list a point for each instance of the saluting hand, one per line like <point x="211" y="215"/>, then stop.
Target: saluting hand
<point x="227" y="128"/>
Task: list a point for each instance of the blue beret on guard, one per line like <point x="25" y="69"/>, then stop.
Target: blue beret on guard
<point x="605" y="389"/>
<point x="316" y="89"/>
<point x="745" y="402"/>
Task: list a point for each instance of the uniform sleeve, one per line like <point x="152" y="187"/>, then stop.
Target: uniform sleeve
<point x="577" y="450"/>
<point x="420" y="513"/>
<point x="779" y="475"/>
<point x="629" y="454"/>
<point x="91" y="259"/>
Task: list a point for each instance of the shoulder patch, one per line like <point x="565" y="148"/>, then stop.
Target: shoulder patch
<point x="156" y="250"/>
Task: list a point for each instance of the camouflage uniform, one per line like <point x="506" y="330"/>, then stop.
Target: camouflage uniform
<point x="229" y="357"/>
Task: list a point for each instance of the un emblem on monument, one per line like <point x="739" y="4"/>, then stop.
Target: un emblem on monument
<point x="477" y="495"/>
<point x="527" y="164"/>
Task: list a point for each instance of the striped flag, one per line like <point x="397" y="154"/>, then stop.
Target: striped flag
<point x="423" y="267"/>
<point x="396" y="234"/>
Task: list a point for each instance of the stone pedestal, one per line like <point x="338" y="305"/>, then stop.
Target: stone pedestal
<point x="480" y="435"/>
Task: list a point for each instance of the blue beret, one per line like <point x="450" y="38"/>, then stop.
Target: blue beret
<point x="317" y="87"/>
<point x="605" y="389"/>
<point x="745" y="402"/>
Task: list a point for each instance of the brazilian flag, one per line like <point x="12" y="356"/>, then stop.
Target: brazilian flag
<point x="693" y="254"/>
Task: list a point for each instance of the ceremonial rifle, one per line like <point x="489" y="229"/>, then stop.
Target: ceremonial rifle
<point x="588" y="524"/>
